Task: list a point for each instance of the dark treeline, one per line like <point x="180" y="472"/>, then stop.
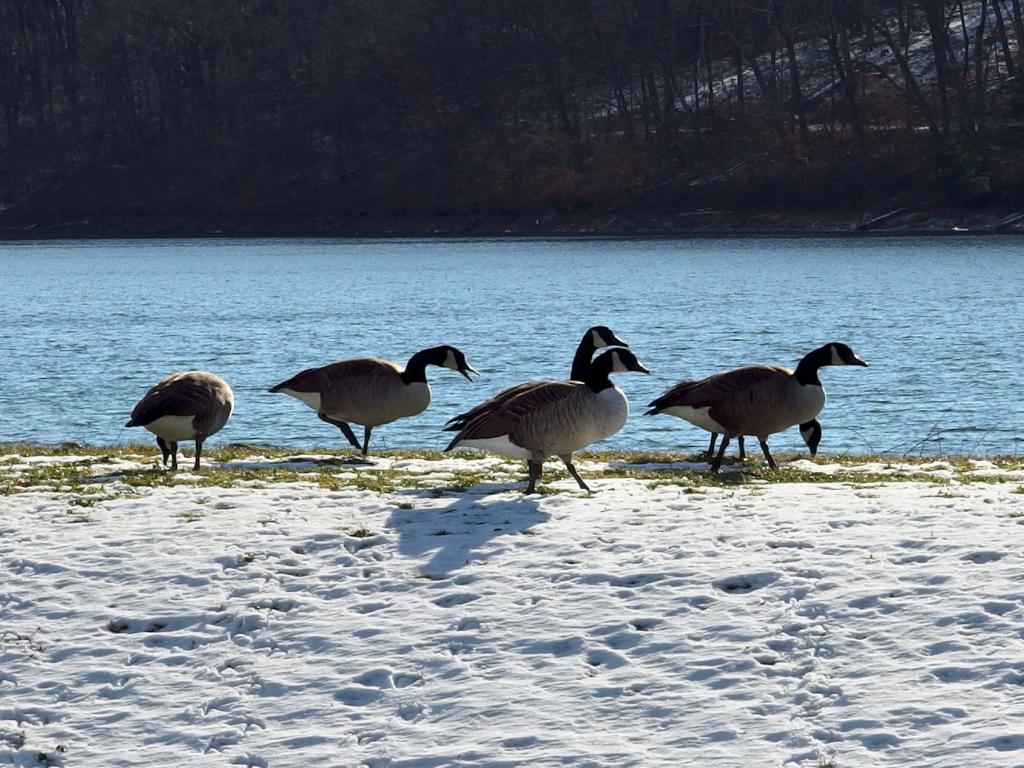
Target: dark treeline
<point x="278" y="109"/>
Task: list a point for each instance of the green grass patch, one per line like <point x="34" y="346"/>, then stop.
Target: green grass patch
<point x="95" y="474"/>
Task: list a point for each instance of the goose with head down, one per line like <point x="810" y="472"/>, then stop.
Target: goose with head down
<point x="370" y="391"/>
<point x="757" y="400"/>
<point x="191" y="405"/>
<point x="555" y="418"/>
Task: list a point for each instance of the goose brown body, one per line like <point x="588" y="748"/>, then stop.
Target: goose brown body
<point x="551" y="418"/>
<point x="363" y="390"/>
<point x="190" y="405"/>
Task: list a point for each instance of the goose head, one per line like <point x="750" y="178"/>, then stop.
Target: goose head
<point x="450" y="357"/>
<point x="603" y="336"/>
<point x="620" y="361"/>
<point x="840" y="354"/>
<point x="811" y="433"/>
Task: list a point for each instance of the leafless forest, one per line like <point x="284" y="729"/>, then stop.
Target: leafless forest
<point x="293" y="112"/>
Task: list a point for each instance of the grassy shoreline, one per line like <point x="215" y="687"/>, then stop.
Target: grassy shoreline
<point x="91" y="470"/>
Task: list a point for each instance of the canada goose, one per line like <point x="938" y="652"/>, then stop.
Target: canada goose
<point x="371" y="391"/>
<point x="555" y="418"/>
<point x="757" y="399"/>
<point x="191" y="405"/>
<point x="595" y="338"/>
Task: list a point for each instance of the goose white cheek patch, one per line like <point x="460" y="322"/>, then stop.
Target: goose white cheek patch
<point x="450" y="362"/>
<point x="836" y="359"/>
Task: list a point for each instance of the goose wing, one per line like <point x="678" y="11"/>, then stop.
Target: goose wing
<point x="180" y="394"/>
<point x="734" y="398"/>
<point x="366" y="390"/>
<point x="458" y="422"/>
<point x="542" y="409"/>
<point x="339" y="375"/>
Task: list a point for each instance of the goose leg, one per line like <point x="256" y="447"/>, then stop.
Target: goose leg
<point x="165" y="451"/>
<point x="366" y="439"/>
<point x="199" y="452"/>
<point x="174" y="456"/>
<point x="711" y="448"/>
<point x="764" y="447"/>
<point x="567" y="460"/>
<point x="535" y="470"/>
<point x="721" y="452"/>
<point x="743" y="455"/>
<point x="346" y="430"/>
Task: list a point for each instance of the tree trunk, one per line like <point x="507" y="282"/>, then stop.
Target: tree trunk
<point x="1004" y="42"/>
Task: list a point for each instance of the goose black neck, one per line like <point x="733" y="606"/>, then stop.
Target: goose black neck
<point x="416" y="369"/>
<point x="581" y="360"/>
<point x="807" y="371"/>
<point x="597" y="377"/>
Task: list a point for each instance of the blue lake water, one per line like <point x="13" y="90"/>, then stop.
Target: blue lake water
<point x="87" y="326"/>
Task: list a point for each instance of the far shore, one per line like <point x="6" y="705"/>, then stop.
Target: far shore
<point x="886" y="221"/>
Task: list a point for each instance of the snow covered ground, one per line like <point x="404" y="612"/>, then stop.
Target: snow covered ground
<point x="438" y="617"/>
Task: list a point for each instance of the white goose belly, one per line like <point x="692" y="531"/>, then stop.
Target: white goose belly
<point x="501" y="446"/>
<point x="173" y="428"/>
<point x="699" y="417"/>
<point x="312" y="399"/>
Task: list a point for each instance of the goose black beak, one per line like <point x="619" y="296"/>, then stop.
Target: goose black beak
<point x="617" y="342"/>
<point x="468" y="370"/>
<point x="858" y="361"/>
<point x="641" y="368"/>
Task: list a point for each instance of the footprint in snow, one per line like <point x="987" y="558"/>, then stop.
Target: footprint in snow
<point x="954" y="674"/>
<point x="468" y="624"/>
<point x="357" y="695"/>
<point x="1007" y="743"/>
<point x="370" y="607"/>
<point x="983" y="556"/>
<point x="603" y="658"/>
<point x="459" y="598"/>
<point x="740" y="584"/>
<point x="998" y="607"/>
<point x="945" y="646"/>
<point x="518" y="742"/>
<point x="384" y="678"/>
<point x="249" y="761"/>
<point x="220" y="741"/>
<point x="910" y="559"/>
<point x="410" y="710"/>
<point x="878" y="740"/>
